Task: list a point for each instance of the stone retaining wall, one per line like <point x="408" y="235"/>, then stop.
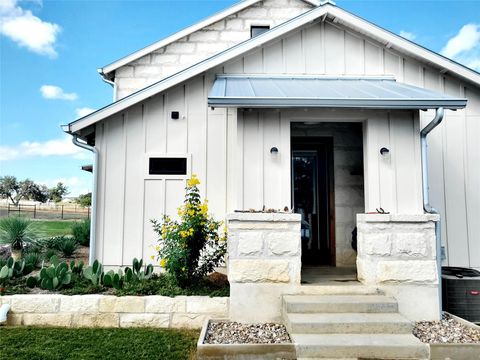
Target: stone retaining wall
<point x="397" y="253"/>
<point x="113" y="311"/>
<point x="264" y="262"/>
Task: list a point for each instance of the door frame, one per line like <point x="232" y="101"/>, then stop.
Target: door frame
<point x="327" y="141"/>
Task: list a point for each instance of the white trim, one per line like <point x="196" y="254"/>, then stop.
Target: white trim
<point x="104" y="71"/>
<point x="346" y="19"/>
<point x="149" y="155"/>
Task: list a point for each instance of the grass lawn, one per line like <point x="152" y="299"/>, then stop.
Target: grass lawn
<point x="53" y="343"/>
<point x="48" y="228"/>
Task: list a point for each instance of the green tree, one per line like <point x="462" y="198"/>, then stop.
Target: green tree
<point x="57" y="193"/>
<point x="84" y="200"/>
<point x="15" y="190"/>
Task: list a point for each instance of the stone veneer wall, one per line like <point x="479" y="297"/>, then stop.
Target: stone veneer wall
<point x="204" y="43"/>
<point x="264" y="262"/>
<point x="113" y="311"/>
<point x="397" y="253"/>
<point x="348" y="180"/>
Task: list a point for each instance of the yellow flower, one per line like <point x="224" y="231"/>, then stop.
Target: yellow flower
<point x="152" y="257"/>
<point x="191" y="212"/>
<point x="204" y="208"/>
<point x="190" y="231"/>
<point x="193" y="181"/>
<point x="184" y="233"/>
<point x="157" y="248"/>
<point x="184" y="269"/>
<point x="163" y="262"/>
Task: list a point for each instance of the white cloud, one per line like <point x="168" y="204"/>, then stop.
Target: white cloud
<point x="27" y="30"/>
<point x="467" y="39"/>
<point x="81" y="112"/>
<point x="75" y="185"/>
<point x="407" y="35"/>
<point x="55" y="92"/>
<point x="56" y="147"/>
<point x="464" y="47"/>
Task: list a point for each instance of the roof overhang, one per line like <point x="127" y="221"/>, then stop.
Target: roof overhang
<point x="254" y="91"/>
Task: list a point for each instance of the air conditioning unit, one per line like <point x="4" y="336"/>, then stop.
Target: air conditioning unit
<point x="461" y="292"/>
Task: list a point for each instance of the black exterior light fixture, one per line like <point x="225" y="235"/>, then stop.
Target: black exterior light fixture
<point x="384" y="151"/>
<point x="274" y="150"/>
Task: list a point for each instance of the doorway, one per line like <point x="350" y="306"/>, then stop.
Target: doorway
<point x="313" y="198"/>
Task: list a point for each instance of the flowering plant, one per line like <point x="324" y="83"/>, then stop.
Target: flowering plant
<point x="191" y="247"/>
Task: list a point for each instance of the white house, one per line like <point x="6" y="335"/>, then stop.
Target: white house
<point x="293" y="103"/>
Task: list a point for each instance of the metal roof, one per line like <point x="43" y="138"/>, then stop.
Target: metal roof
<point x="317" y="91"/>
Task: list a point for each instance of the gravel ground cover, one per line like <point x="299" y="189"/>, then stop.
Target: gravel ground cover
<point x="448" y="330"/>
<point x="225" y="332"/>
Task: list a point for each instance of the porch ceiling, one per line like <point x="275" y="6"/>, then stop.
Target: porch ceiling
<point x="315" y="91"/>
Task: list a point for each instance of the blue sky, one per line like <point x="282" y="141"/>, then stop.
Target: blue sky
<point x="50" y="50"/>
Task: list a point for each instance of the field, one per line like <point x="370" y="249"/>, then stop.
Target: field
<point x="48" y="228"/>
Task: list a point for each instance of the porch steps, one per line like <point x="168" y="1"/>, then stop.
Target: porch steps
<point x="350" y="326"/>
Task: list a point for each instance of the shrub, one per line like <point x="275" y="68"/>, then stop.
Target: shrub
<point x="51" y="243"/>
<point x="192" y="247"/>
<point x="81" y="232"/>
<point x="33" y="259"/>
<point x="16" y="232"/>
<point x="49" y="253"/>
<point x="68" y="247"/>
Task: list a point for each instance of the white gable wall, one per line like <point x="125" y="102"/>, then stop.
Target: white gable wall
<point x="204" y="43"/>
<point x="213" y="138"/>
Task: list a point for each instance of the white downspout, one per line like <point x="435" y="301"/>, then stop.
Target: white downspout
<point x="3" y="313"/>
<point x="110" y="82"/>
<point x="93" y="215"/>
<point x="439" y="114"/>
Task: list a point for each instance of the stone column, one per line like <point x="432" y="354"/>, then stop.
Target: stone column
<point x="397" y="253"/>
<point x="264" y="262"/>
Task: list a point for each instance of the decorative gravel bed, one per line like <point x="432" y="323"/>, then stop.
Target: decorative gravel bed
<point x="448" y="330"/>
<point x="225" y="332"/>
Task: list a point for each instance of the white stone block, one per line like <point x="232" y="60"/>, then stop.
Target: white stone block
<point x="377" y="244"/>
<point x="207" y="305"/>
<point x="180" y="48"/>
<point x="82" y="304"/>
<point x="258" y="270"/>
<point x="235" y="24"/>
<point x="105" y="320"/>
<point x="191" y="59"/>
<point x="411" y="244"/>
<point x="187" y="321"/>
<point x="249" y="242"/>
<point x="124" y="72"/>
<point x="283" y="243"/>
<point x="144" y="320"/>
<point x="164" y="59"/>
<point x="211" y="48"/>
<point x="147" y="71"/>
<point x="234" y="35"/>
<point x="408" y="271"/>
<point x="284" y="13"/>
<point x="144" y="60"/>
<point x="57" y="320"/>
<point x="220" y="25"/>
<point x="254" y="13"/>
<point x="124" y="304"/>
<point x="165" y="304"/>
<point x="130" y="83"/>
<point x="35" y="303"/>
<point x="204" y="36"/>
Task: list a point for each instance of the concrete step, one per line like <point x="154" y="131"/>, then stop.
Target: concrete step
<point x="340" y="304"/>
<point x="333" y="288"/>
<point x="349" y="323"/>
<point x="365" y="346"/>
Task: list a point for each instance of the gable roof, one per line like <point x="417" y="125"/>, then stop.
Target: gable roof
<point x="390" y="40"/>
<point x="107" y="69"/>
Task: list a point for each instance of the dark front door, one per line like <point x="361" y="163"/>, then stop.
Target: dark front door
<point x="312" y="197"/>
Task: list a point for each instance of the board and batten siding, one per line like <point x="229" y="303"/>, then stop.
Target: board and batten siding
<point x="128" y="200"/>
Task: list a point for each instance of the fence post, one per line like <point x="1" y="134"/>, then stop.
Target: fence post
<point x="88" y="212"/>
<point x="62" y="212"/>
<point x="8" y="209"/>
<point x="19" y="206"/>
<point x="35" y="211"/>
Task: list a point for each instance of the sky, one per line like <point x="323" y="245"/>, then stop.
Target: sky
<point x="50" y="52"/>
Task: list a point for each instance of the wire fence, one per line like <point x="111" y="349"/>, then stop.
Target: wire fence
<point x="47" y="212"/>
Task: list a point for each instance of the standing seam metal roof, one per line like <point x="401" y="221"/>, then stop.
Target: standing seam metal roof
<point x="314" y="91"/>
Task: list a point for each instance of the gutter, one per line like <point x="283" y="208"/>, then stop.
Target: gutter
<point x="439" y="115"/>
<point x="110" y="82"/>
<point x="93" y="217"/>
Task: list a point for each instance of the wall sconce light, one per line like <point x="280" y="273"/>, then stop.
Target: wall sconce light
<point x="384" y="151"/>
<point x="274" y="150"/>
<point x="175" y="115"/>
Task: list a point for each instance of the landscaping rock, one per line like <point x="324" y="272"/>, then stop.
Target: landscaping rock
<point x="225" y="332"/>
<point x="5" y="252"/>
<point x="448" y="330"/>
